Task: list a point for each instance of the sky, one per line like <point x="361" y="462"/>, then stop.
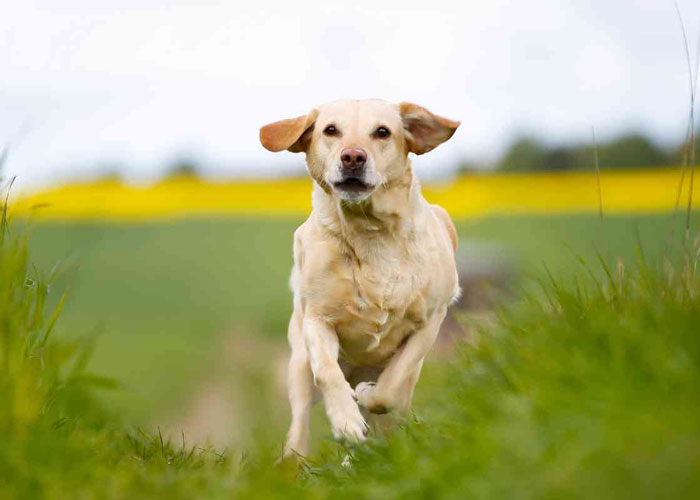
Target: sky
<point x="91" y="87"/>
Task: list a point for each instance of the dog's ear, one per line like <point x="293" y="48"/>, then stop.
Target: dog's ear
<point x="424" y="131"/>
<point x="292" y="134"/>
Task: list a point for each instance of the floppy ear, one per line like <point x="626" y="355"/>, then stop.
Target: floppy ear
<point x="424" y="130"/>
<point x="292" y="134"/>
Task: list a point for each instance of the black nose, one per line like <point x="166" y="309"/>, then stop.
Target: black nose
<point x="353" y="161"/>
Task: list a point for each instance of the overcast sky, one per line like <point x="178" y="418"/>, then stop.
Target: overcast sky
<point x="89" y="85"/>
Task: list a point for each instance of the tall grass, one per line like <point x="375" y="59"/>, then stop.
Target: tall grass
<point x="590" y="390"/>
<point x="689" y="144"/>
<point x="34" y="374"/>
<point x="56" y="440"/>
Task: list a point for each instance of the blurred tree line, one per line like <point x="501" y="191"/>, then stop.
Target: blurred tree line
<point x="183" y="167"/>
<point x="632" y="150"/>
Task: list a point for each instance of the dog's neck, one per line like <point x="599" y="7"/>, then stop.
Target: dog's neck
<point x="389" y="211"/>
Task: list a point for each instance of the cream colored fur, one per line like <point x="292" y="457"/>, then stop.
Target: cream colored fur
<point x="373" y="273"/>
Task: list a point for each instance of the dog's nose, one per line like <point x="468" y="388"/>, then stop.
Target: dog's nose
<point x="353" y="159"/>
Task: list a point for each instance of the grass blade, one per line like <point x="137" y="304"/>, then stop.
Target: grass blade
<point x="54" y="317"/>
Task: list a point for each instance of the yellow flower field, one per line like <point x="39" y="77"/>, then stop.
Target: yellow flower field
<point x="468" y="196"/>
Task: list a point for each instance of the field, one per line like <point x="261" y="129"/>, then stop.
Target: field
<point x="586" y="390"/>
<point x="169" y="314"/>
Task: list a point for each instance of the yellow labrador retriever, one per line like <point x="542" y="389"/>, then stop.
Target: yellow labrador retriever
<point x="374" y="267"/>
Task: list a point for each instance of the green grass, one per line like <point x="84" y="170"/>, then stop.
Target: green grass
<point x="589" y="388"/>
<point x="165" y="296"/>
<point x="592" y="392"/>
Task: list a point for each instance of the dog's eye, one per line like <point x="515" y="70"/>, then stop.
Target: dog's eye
<point x="330" y="130"/>
<point x="382" y="132"/>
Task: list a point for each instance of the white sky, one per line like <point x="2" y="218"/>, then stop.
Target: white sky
<point x="85" y="85"/>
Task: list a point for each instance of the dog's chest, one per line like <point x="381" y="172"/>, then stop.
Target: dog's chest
<point x="384" y="304"/>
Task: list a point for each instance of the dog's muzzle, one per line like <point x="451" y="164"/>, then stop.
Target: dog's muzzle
<point x="352" y="171"/>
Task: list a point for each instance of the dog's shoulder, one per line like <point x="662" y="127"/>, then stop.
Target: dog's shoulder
<point x="447" y="221"/>
<point x="299" y="238"/>
<point x="314" y="248"/>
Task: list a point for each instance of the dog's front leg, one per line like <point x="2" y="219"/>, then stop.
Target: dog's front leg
<point x="394" y="387"/>
<point x="301" y="391"/>
<point x="342" y="410"/>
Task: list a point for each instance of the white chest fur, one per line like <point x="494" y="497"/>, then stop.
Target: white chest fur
<point x="385" y="302"/>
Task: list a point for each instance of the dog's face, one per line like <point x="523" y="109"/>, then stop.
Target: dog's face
<point x="353" y="147"/>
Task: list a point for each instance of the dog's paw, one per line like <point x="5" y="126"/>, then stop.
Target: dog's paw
<point x="363" y="393"/>
<point x="346" y="420"/>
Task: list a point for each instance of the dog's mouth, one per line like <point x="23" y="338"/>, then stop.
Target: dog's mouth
<point x="353" y="185"/>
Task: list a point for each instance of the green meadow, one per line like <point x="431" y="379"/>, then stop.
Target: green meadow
<point x="584" y="383"/>
<point x="163" y="297"/>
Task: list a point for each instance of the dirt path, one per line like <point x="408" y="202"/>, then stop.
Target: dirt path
<point x="243" y="394"/>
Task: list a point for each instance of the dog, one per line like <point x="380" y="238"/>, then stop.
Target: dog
<point x="374" y="266"/>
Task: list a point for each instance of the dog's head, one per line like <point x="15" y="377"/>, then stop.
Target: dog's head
<point x="352" y="147"/>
